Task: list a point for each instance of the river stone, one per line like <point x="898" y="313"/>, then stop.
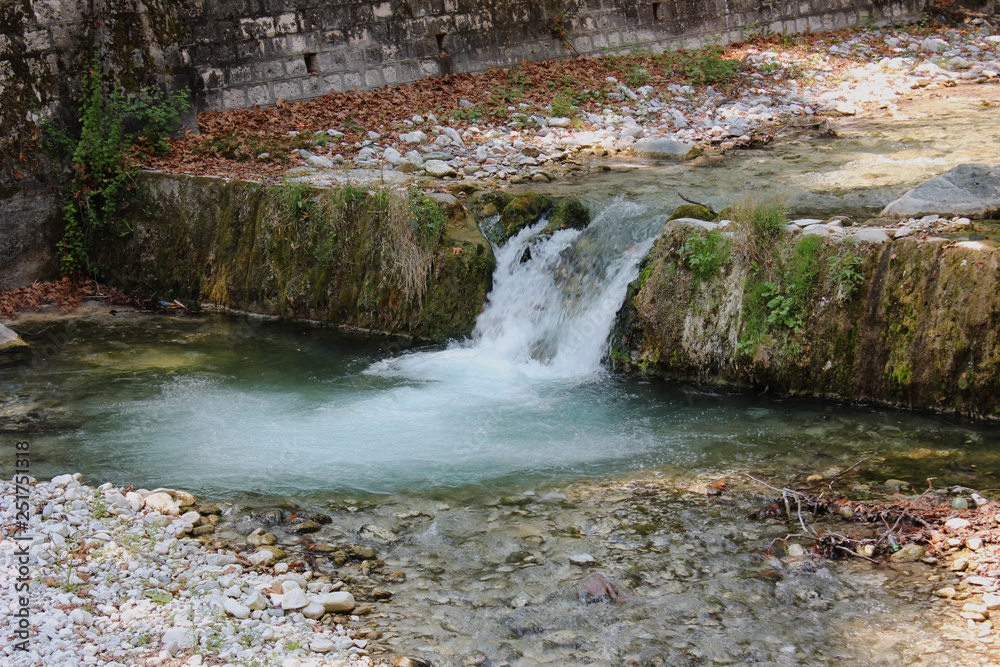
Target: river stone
<point x="337" y="602"/>
<point x="582" y="560"/>
<point x="598" y="588"/>
<point x="266" y="555"/>
<point x="307" y="526"/>
<point x="162" y="503"/>
<point x="373" y="531"/>
<point x="659" y="147"/>
<point x="956" y="524"/>
<point x="235" y="608"/>
<point x="908" y="554"/>
<point x="968" y="190"/>
<point x="176" y="640"/>
<point x="295" y="598"/>
<point x="439" y="168"/>
<point x="260" y="537"/>
<point x="9" y="339"/>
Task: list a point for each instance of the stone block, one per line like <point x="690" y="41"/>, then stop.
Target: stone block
<point x="373" y="78"/>
<point x="334" y="83"/>
<point x="234" y="98"/>
<point x="289" y="90"/>
<point x="259" y="95"/>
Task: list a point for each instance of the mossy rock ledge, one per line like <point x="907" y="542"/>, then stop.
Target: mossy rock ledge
<point x="918" y="326"/>
<point x="515" y="212"/>
<point x="341" y="256"/>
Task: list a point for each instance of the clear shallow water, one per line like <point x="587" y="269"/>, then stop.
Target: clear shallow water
<point x="870" y="163"/>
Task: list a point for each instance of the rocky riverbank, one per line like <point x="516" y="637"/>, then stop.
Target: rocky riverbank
<point x="136" y="578"/>
<point x="508" y="126"/>
<point x="113" y="579"/>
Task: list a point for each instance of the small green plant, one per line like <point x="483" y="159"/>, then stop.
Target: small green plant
<point x="638" y="77"/>
<point x="562" y="105"/>
<point x="707" y="254"/>
<point x="100" y="510"/>
<point x="845" y="272"/>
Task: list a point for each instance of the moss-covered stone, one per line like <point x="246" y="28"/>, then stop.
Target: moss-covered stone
<point x="921" y="329"/>
<point x="568" y="213"/>
<point x="344" y="256"/>
<point x="692" y="211"/>
<point x="523" y="211"/>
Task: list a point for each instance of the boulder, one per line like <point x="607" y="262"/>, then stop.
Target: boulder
<point x="337" y="602"/>
<point x="439" y="168"/>
<point x="9" y="339"/>
<point x="662" y="148"/>
<point x="969" y="190"/>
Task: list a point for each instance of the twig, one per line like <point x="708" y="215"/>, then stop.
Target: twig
<point x="698" y="203"/>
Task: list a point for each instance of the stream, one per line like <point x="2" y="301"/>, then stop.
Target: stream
<point x="495" y="478"/>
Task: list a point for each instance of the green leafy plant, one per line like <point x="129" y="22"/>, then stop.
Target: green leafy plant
<point x="102" y="160"/>
<point x="844" y="268"/>
<point x="706" y="254"/>
<point x="760" y="217"/>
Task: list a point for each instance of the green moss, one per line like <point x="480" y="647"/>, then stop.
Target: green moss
<point x="692" y="211"/>
<point x="523" y="211"/>
<point x="568" y="213"/>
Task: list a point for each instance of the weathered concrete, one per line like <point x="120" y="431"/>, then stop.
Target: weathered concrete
<point x="347" y="256"/>
<point x="29" y="229"/>
<point x="921" y="329"/>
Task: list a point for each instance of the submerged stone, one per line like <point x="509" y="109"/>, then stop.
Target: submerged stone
<point x="970" y="190"/>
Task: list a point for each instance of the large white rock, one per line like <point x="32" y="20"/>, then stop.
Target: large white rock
<point x="235" y="608"/>
<point x="659" y="147"/>
<point x="162" y="503"/>
<point x="969" y="190"/>
<point x="336" y="602"/>
<point x="9" y="339"/>
<point x="176" y="640"/>
<point x="439" y="168"/>
<point x="294" y="599"/>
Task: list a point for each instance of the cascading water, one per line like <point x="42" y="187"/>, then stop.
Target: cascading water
<point x="554" y="299"/>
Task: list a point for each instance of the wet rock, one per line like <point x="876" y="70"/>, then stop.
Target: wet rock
<point x="9" y="339"/>
<point x="306" y="527"/>
<point x="208" y="509"/>
<point x="970" y="190"/>
<point x="260" y="537"/>
<point x="362" y="553"/>
<point x="583" y="560"/>
<point x="662" y="148"/>
<point x="598" y="588"/>
<point x="908" y="554"/>
<point x="401" y="661"/>
<point x="896" y="485"/>
<point x="265" y="555"/>
<point x="271" y="517"/>
<point x="692" y="211"/>
<point x="373" y="531"/>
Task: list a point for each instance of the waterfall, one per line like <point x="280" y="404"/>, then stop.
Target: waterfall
<point x="554" y="297"/>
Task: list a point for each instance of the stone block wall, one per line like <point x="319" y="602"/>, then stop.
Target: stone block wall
<point x="255" y="52"/>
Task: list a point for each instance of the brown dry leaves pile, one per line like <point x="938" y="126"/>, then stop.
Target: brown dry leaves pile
<point x="65" y="294"/>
